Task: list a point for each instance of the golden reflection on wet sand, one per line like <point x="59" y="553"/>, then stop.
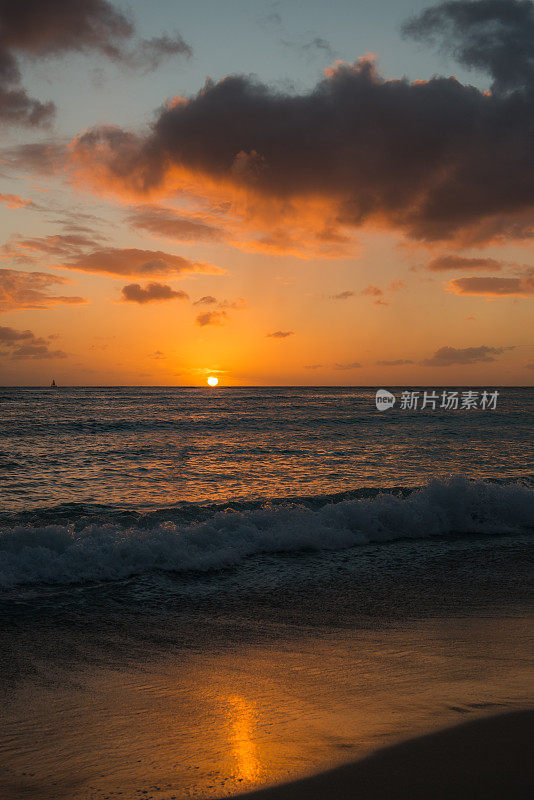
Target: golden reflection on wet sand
<point x="245" y="750"/>
<point x="198" y="725"/>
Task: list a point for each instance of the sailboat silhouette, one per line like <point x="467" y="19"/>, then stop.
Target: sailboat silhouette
<point x="53" y="385"/>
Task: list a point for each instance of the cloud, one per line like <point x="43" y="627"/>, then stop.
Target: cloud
<point x="319" y="45"/>
<point x="14" y="201"/>
<point x="24" y="344"/>
<point x="529" y="366"/>
<point x="20" y="290"/>
<point x="351" y="365"/>
<point x="280" y="334"/>
<point x="164" y="222"/>
<point x="399" y="362"/>
<point x="376" y="292"/>
<point x="495" y="287"/>
<point x="131" y="261"/>
<point x="451" y="262"/>
<point x="495" y="36"/>
<point x="152" y="292"/>
<point x="447" y="356"/>
<point x="56" y="245"/>
<point x="33" y="30"/>
<point x="219" y="315"/>
<point x="72" y="251"/>
<point x="313" y="366"/>
<point x="373" y="291"/>
<point x="151" y="53"/>
<point x="342" y="295"/>
<point x="212" y="318"/>
<point x="435" y="159"/>
<point x="43" y="158"/>
<point x="37" y="351"/>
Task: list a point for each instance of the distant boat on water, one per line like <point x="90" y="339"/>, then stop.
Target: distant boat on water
<point x="53" y="385"/>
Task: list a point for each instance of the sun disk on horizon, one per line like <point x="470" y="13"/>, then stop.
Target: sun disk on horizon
<point x="212" y="380"/>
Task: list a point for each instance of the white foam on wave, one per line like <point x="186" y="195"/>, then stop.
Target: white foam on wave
<point x="60" y="554"/>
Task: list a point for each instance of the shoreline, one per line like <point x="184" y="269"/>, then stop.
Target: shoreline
<point x="486" y="759"/>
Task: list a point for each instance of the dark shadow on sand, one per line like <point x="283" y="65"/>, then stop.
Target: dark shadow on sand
<point x="486" y="759"/>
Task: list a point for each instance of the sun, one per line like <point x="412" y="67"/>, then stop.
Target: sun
<point x="212" y="380"/>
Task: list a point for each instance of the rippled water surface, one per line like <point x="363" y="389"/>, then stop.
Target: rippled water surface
<point x="150" y="448"/>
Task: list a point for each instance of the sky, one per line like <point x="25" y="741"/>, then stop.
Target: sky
<point x="273" y="193"/>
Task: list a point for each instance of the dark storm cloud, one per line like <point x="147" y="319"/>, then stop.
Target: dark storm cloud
<point x="152" y="292"/>
<point x="447" y="356"/>
<point x="437" y="159"/>
<point x="35" y="29"/>
<point x="495" y="36"/>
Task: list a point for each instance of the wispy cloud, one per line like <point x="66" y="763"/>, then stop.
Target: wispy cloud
<point x="280" y="334"/>
<point x="30" y="290"/>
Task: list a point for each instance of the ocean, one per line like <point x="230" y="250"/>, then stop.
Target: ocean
<point x="203" y="591"/>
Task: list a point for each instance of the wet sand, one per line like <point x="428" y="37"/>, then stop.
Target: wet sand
<point x="219" y="722"/>
<point x="486" y="759"/>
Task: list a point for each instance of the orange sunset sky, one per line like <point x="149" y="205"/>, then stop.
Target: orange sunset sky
<point x="273" y="193"/>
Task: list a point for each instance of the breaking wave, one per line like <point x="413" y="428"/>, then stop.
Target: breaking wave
<point x="67" y="553"/>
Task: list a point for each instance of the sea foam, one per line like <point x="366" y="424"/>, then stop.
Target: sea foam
<point x="63" y="554"/>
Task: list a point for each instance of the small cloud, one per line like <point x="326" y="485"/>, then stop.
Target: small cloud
<point x="313" y="366"/>
<point x="212" y="318"/>
<point x="219" y="315"/>
<point x="157" y="354"/>
<point x="319" y="45"/>
<point x="452" y="262"/>
<point x="495" y="287"/>
<point x="342" y="295"/>
<point x="395" y="363"/>
<point x="373" y="291"/>
<point x="352" y="365"/>
<point x="447" y="356"/>
<point x="377" y="292"/>
<point x="529" y="366"/>
<point x="152" y="292"/>
<point x="280" y="334"/>
<point x="14" y="201"/>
